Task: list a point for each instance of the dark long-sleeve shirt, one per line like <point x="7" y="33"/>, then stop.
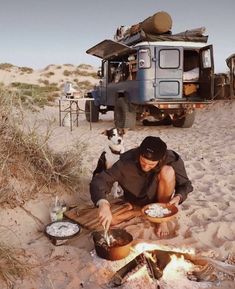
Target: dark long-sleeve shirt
<point x="139" y="187"/>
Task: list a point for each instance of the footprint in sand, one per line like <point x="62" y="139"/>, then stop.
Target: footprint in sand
<point x="205" y="215"/>
<point x="198" y="175"/>
<point x="226" y="231"/>
<point x="198" y="166"/>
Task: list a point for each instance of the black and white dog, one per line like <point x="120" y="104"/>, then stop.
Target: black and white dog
<point x="112" y="151"/>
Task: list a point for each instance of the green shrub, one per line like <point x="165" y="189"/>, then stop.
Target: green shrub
<point x="25" y="69"/>
<point x="85" y="66"/>
<point x="67" y="72"/>
<point x="85" y="73"/>
<point x="49" y="74"/>
<point x="6" y="66"/>
<point x="44" y="81"/>
<point x="26" y="157"/>
<point x="86" y="85"/>
<point x="34" y="94"/>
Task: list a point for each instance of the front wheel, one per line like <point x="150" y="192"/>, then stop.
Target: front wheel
<point x="185" y="121"/>
<point x="123" y="116"/>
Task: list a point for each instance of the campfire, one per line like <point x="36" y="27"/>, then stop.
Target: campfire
<point x="162" y="265"/>
<point x="157" y="264"/>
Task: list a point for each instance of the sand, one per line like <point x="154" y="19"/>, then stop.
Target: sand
<point x="206" y="222"/>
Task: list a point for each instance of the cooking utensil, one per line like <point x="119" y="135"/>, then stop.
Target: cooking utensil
<point x="172" y="208"/>
<point x="119" y="247"/>
<point x="62" y="230"/>
<point x="106" y="235"/>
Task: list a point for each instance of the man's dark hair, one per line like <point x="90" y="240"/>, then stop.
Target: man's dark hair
<point x="153" y="148"/>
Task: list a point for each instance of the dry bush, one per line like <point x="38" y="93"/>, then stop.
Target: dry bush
<point x="49" y="74"/>
<point x="12" y="265"/>
<point x="85" y="85"/>
<point x="67" y="72"/>
<point x="27" y="165"/>
<point x="44" y="81"/>
<point x="33" y="94"/>
<point x="85" y="66"/>
<point x="86" y="73"/>
<point x="6" y="66"/>
<point x="25" y="69"/>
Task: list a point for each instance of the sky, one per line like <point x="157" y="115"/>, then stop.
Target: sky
<point x="36" y="33"/>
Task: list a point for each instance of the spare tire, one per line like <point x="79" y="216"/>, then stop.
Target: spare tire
<point x="185" y="121"/>
<point x="123" y="117"/>
<point x="91" y="111"/>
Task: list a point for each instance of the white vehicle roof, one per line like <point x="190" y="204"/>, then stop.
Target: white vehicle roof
<point x="172" y="43"/>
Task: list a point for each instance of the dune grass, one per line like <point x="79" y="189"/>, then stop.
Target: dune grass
<point x="12" y="265"/>
<point x="27" y="164"/>
<point x="35" y="95"/>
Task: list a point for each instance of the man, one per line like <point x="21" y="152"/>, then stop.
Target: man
<point x="149" y="173"/>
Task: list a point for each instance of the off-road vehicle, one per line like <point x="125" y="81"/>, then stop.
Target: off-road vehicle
<point x="143" y="74"/>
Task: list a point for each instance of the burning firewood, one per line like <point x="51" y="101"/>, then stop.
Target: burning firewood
<point x="205" y="273"/>
<point x="155" y="261"/>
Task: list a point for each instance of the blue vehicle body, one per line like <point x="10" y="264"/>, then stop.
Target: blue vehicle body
<point x="148" y="79"/>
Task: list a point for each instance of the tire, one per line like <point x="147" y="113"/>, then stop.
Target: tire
<point x="92" y="113"/>
<point x="123" y="117"/>
<point x="186" y="121"/>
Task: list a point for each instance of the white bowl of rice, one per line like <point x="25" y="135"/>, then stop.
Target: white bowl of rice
<point x="159" y="212"/>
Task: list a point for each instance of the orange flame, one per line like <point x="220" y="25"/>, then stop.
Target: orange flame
<point x="141" y="247"/>
<point x="177" y="268"/>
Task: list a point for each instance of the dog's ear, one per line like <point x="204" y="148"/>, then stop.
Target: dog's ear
<point x="122" y="131"/>
<point x="105" y="132"/>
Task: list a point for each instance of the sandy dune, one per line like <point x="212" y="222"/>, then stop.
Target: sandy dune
<point x="206" y="222"/>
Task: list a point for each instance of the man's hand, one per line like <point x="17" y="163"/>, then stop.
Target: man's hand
<point x="105" y="215"/>
<point x="175" y="200"/>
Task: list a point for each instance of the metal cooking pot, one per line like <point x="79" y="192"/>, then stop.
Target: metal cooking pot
<point x="119" y="247"/>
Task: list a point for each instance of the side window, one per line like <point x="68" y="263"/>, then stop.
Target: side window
<point x="144" y="58"/>
<point x="112" y="71"/>
<point x="118" y="71"/>
<point x="169" y="58"/>
<point x="133" y="66"/>
<point x="206" y="58"/>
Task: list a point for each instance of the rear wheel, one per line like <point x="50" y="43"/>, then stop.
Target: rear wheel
<point x="123" y="117"/>
<point x="185" y="121"/>
<point x="91" y="111"/>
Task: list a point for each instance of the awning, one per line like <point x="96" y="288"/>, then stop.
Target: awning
<point x="109" y="49"/>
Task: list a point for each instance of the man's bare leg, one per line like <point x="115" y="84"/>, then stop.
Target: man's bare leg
<point x="166" y="188"/>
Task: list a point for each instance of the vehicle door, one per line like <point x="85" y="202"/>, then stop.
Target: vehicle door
<point x="206" y="72"/>
<point x="108" y="50"/>
<point x="102" y="87"/>
<point x="168" y="72"/>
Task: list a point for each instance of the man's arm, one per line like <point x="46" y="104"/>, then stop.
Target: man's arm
<point x="101" y="185"/>
<point x="183" y="185"/>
